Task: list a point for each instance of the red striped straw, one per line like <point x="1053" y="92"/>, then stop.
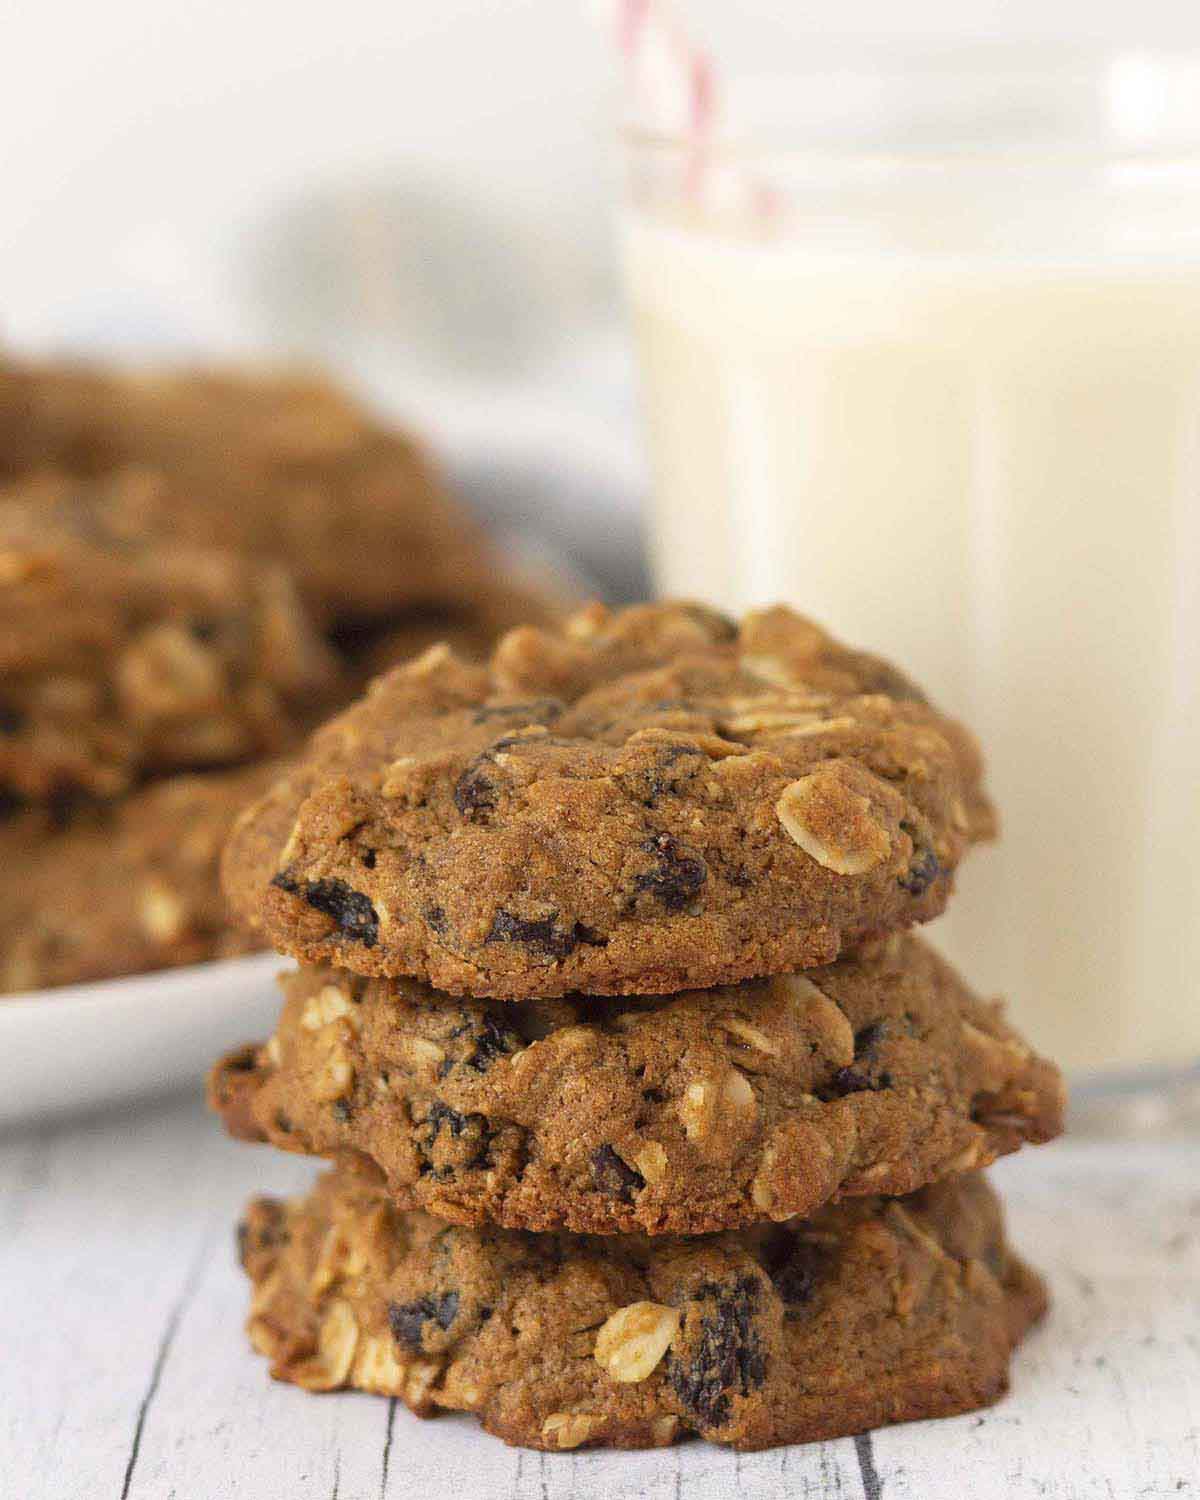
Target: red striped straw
<point x="671" y="81"/>
<point x="671" y="78"/>
<point x="674" y="92"/>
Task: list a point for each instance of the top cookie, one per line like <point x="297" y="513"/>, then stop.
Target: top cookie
<point x="285" y="467"/>
<point x="643" y="801"/>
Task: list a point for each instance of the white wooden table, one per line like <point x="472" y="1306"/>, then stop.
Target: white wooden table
<point x="124" y="1374"/>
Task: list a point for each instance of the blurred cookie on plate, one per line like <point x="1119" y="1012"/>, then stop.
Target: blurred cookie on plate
<point x="122" y="655"/>
<point x="126" y="888"/>
<point x="275" y="465"/>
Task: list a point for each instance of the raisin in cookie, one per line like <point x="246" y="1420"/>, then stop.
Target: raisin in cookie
<point x="641" y="801"/>
<point x="284" y="467"/>
<point x="129" y="886"/>
<point x="120" y="656"/>
<point x="875" y="1311"/>
<point x="684" y="1113"/>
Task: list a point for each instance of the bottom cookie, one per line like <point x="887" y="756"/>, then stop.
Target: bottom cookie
<point x="874" y="1311"/>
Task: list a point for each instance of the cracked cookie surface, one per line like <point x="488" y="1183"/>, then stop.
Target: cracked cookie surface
<point x="128" y="887"/>
<point x="686" y="1113"/>
<point x="120" y="655"/>
<point x="878" y="1310"/>
<point x="640" y="801"/>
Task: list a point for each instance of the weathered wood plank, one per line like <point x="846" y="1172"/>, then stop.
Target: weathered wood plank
<point x="104" y="1230"/>
<point x="1106" y="1396"/>
<point x="125" y="1370"/>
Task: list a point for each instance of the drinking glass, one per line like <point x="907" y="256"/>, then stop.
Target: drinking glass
<point x="919" y="339"/>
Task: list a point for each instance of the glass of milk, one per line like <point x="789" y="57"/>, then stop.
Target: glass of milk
<point x="920" y="352"/>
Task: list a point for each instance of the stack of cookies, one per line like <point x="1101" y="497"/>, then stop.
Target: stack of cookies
<point x="194" y="570"/>
<point x="647" y="1114"/>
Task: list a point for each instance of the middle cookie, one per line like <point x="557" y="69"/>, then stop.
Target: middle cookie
<point x="687" y="1114"/>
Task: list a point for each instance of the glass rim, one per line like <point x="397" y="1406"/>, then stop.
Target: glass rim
<point x="1133" y="107"/>
<point x="641" y="140"/>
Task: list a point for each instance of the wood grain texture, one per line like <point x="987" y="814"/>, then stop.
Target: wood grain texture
<point x="125" y="1374"/>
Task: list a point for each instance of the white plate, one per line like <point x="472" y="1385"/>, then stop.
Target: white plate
<point x="86" y="1045"/>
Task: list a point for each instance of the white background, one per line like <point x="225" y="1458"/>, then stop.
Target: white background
<point x="145" y="144"/>
<point x="416" y="195"/>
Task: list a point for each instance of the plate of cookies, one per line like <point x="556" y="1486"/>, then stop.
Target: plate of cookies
<point x="196" y="568"/>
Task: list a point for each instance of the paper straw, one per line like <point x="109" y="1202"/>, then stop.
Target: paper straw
<point x="671" y="80"/>
<point x="675" y="92"/>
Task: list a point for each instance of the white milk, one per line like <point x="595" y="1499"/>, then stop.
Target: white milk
<point x="987" y="468"/>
